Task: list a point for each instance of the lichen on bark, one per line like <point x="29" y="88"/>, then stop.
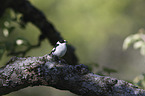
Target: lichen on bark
<point x="48" y="71"/>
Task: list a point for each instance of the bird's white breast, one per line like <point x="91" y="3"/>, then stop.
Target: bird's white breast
<point x="60" y="50"/>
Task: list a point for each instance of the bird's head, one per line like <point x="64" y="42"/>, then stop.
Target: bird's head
<point x="62" y="41"/>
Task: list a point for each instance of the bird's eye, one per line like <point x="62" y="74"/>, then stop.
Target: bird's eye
<point x="61" y="41"/>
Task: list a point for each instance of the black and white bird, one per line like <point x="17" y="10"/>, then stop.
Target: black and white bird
<point x="60" y="49"/>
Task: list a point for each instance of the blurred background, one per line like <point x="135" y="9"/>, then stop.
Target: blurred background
<point x="96" y="28"/>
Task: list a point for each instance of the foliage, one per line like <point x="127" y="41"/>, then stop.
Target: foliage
<point x="105" y="71"/>
<point x="140" y="81"/>
<point x="19" y="45"/>
<point x="138" y="42"/>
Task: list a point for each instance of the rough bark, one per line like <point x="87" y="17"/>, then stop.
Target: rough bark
<point x="35" y="16"/>
<point x="49" y="71"/>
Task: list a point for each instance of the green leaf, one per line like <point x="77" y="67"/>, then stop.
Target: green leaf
<point x="100" y="73"/>
<point x="138" y="44"/>
<point x="143" y="37"/>
<point x="108" y="70"/>
<point x="90" y="68"/>
<point x="93" y="64"/>
<point x="140" y="81"/>
<point x="130" y="40"/>
<point x="127" y="42"/>
<point x="22" y="22"/>
<point x="5" y="32"/>
<point x="142" y="50"/>
<point x="6" y="23"/>
<point x="96" y="64"/>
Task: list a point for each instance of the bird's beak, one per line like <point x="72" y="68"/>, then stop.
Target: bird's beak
<point x="65" y="41"/>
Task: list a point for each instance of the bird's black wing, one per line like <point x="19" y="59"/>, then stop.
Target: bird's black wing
<point x="54" y="48"/>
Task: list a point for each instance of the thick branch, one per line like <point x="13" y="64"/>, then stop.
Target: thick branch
<point x="33" y="71"/>
<point x="3" y="5"/>
<point x="33" y="15"/>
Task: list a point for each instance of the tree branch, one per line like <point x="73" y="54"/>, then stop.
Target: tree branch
<point x="33" y="71"/>
<point x="23" y="53"/>
<point x="3" y="5"/>
<point x="33" y="15"/>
